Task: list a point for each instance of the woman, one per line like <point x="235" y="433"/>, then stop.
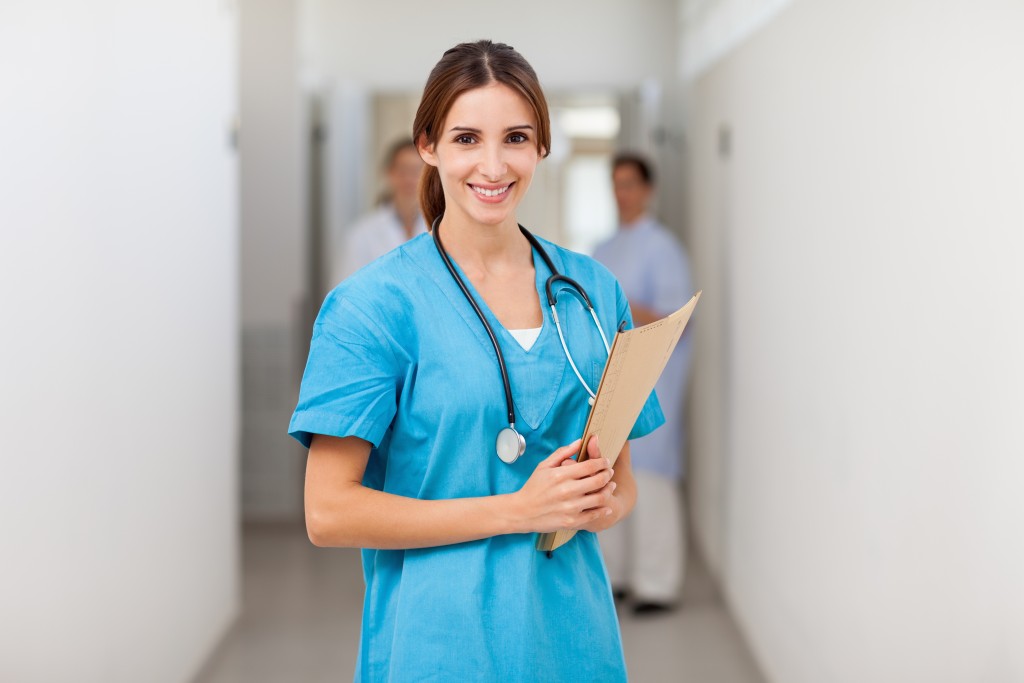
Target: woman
<point x="402" y="400"/>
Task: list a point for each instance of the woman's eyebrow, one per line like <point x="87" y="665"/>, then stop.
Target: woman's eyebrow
<point x="467" y="129"/>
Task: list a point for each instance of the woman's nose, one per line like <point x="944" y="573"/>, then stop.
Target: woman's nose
<point x="492" y="165"/>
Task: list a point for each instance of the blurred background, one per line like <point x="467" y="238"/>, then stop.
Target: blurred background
<point x="176" y="179"/>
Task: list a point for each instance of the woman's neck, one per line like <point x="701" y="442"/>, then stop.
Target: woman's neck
<point x="485" y="248"/>
<point x="498" y="261"/>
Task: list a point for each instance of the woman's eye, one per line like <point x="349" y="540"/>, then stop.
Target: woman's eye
<point x="464" y="139"/>
<point x="517" y="138"/>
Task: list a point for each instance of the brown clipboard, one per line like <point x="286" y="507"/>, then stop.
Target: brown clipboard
<point x="635" y="362"/>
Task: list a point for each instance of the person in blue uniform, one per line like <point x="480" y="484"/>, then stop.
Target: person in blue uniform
<point x="442" y="415"/>
<point x="646" y="556"/>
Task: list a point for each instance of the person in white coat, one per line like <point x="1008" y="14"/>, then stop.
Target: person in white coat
<point x="397" y="219"/>
<point x="646" y="554"/>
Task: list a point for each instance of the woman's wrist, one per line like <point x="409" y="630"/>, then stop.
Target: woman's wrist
<point x="508" y="514"/>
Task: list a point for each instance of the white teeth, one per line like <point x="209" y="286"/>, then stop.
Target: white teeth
<point x="491" y="193"/>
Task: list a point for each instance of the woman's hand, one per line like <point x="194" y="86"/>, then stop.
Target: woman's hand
<point x="565" y="494"/>
<point x="620" y="499"/>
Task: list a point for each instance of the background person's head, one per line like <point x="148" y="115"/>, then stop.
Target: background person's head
<point x="402" y="169"/>
<point x="633" y="184"/>
<point x="466" y="67"/>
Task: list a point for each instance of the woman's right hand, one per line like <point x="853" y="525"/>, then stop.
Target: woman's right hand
<point x="565" y="494"/>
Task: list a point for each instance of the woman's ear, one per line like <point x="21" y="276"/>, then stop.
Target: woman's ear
<point x="426" y="150"/>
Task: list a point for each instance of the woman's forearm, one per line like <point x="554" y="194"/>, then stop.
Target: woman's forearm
<point x="360" y="517"/>
<point x="341" y="512"/>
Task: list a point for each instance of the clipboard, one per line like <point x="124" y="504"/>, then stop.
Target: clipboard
<point x="635" y="362"/>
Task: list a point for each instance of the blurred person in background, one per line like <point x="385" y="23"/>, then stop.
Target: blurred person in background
<point x="646" y="554"/>
<point x="401" y="402"/>
<point x="397" y="217"/>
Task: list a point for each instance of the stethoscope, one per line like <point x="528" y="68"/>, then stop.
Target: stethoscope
<point x="510" y="444"/>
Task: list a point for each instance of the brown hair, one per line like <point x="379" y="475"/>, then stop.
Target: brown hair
<point x="465" y="67"/>
<point x="637" y="161"/>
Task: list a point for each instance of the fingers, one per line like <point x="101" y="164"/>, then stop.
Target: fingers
<point x="561" y="455"/>
<point x="596" y="520"/>
<point x="567" y="452"/>
<point x="587" y="468"/>
<point x="571" y="494"/>
<point x="581" y="478"/>
<point x="601" y="497"/>
<point x="601" y="506"/>
<point x="588" y="509"/>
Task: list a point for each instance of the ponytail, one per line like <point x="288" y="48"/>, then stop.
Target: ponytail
<point x="431" y="194"/>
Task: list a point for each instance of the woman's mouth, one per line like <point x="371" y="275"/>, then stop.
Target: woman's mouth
<point x="491" y="192"/>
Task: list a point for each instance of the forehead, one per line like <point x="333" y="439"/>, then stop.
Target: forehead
<point x="495" y="105"/>
<point x="626" y="172"/>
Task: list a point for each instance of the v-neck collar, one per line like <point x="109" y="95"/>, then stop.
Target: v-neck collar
<point x="535" y="375"/>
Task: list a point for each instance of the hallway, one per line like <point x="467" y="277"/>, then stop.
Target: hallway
<point x="846" y="176"/>
<point x="300" y="622"/>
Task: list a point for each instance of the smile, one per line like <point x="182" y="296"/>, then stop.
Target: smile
<point x="490" y="193"/>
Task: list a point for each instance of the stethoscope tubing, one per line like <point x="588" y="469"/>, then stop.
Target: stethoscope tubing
<point x="480" y="314"/>
<point x="565" y="348"/>
<point x="574" y="288"/>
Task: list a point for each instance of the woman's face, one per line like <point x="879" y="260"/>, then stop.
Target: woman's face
<point x="486" y="154"/>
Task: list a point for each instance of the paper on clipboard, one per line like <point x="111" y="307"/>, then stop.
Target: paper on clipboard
<point x="635" y="363"/>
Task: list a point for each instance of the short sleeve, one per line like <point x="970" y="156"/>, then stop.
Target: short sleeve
<point x="350" y="385"/>
<point x="651" y="416"/>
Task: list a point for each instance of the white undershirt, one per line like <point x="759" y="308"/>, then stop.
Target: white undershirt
<point x="526" y="338"/>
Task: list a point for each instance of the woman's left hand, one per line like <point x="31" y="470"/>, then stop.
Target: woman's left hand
<point x="619" y="498"/>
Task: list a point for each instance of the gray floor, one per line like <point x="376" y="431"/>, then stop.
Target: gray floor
<point x="300" y="622"/>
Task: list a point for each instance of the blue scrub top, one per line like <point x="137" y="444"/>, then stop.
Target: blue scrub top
<point x="400" y="359"/>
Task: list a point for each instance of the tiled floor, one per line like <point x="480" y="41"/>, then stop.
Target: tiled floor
<point x="300" y="622"/>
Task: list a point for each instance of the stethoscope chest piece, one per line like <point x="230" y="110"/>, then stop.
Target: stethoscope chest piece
<point x="510" y="445"/>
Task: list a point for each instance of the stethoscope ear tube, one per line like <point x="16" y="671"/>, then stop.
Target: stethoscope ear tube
<point x="576" y="289"/>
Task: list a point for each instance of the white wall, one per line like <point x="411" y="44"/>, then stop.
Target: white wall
<point x="118" y="350"/>
<point x="275" y="264"/>
<point x="859" y="251"/>
<point x="573" y="44"/>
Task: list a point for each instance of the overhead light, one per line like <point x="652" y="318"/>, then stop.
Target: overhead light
<point x="590" y="122"/>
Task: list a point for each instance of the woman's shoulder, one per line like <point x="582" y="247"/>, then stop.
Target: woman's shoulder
<point x="383" y="290"/>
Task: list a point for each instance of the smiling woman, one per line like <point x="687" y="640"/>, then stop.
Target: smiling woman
<point x="401" y="397"/>
<point x="488" y="152"/>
